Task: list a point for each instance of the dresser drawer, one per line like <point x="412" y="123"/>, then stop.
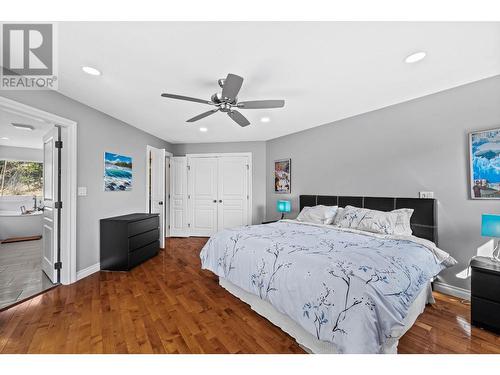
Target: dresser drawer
<point x="143" y="239"/>
<point x="485" y="313"/>
<point x="143" y="226"/>
<point x="144" y="253"/>
<point x="485" y="285"/>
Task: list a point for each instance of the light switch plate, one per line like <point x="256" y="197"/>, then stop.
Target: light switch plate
<point x="82" y="191"/>
<point x="426" y="194"/>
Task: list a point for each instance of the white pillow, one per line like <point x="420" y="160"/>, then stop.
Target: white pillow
<point x="403" y="226"/>
<point x="393" y="222"/>
<point x="338" y="216"/>
<point x="317" y="214"/>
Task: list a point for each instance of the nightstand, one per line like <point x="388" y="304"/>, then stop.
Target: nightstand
<point x="485" y="293"/>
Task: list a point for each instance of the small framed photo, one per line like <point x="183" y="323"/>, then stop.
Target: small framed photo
<point x="282" y="176"/>
<point x="484" y="154"/>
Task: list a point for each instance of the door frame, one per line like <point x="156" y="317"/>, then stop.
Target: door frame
<point x="250" y="174"/>
<point x="69" y="172"/>
<point x="168" y="155"/>
<point x="166" y="188"/>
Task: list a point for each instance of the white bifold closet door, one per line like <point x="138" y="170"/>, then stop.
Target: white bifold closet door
<point x="233" y="192"/>
<point x="178" y="197"/>
<point x="217" y="193"/>
<point x="203" y="196"/>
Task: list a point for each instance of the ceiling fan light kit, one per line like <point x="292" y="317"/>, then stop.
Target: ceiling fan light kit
<point x="227" y="100"/>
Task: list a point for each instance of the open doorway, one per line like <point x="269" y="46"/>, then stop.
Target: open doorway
<point x="36" y="233"/>
<point x="29" y="181"/>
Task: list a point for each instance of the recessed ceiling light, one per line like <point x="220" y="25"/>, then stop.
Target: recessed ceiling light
<point x="203" y="130"/>
<point x="4" y="138"/>
<point x="415" y="57"/>
<point x="23" y="127"/>
<point x="265" y="119"/>
<point x="91" y="71"/>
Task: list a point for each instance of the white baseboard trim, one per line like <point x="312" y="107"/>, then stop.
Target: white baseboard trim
<point x="88" y="271"/>
<point x="452" y="290"/>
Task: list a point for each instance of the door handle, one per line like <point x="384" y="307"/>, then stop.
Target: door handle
<point x="220" y="200"/>
<point x="215" y="200"/>
<point x="160" y="203"/>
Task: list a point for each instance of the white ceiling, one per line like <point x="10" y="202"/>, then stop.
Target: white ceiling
<point x="325" y="71"/>
<point x="22" y="138"/>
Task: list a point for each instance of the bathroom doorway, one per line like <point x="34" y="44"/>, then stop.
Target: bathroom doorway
<point x="35" y="231"/>
<point x="29" y="177"/>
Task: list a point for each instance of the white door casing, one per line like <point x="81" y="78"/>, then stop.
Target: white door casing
<point x="50" y="198"/>
<point x="202" y="195"/>
<point x="233" y="195"/>
<point x="167" y="196"/>
<point x="178" y="197"/>
<point x="157" y="187"/>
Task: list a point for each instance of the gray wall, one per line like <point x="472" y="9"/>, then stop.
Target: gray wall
<point x="420" y="145"/>
<point x="396" y="151"/>
<point x="97" y="133"/>
<point x="21" y="153"/>
<point x="258" y="150"/>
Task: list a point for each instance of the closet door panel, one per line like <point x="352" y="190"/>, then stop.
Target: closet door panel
<point x="233" y="192"/>
<point x="203" y="195"/>
<point x="178" y="197"/>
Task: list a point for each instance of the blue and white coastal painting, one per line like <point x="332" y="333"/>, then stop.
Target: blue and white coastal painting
<point x="485" y="164"/>
<point x="117" y="172"/>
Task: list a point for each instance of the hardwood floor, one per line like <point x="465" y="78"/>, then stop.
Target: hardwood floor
<point x="169" y="305"/>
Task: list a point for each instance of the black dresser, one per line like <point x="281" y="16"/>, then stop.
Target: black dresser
<point x="128" y="240"/>
<point x="485" y="293"/>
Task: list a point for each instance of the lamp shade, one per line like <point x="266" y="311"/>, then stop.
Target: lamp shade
<point x="490" y="225"/>
<point x="283" y="206"/>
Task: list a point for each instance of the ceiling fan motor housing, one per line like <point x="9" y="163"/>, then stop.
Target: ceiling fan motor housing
<point x="217" y="99"/>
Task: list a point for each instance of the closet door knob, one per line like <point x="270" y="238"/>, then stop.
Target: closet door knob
<point x="220" y="200"/>
<point x="215" y="200"/>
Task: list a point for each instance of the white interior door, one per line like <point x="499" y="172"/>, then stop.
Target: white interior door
<point x="178" y="197"/>
<point x="157" y="187"/>
<point x="233" y="198"/>
<point x="203" y="195"/>
<point x="50" y="199"/>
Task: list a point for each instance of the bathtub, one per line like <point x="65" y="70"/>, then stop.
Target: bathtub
<point x="13" y="224"/>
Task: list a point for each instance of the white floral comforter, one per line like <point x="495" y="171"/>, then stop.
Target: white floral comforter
<point x="344" y="286"/>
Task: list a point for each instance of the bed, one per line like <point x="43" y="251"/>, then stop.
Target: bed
<point x="335" y="290"/>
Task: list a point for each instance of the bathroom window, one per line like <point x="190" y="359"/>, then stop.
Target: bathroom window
<point x="21" y="178"/>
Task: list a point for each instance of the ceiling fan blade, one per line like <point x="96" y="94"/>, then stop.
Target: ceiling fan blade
<point x="203" y="115"/>
<point x="232" y="86"/>
<point x="238" y="118"/>
<point x="258" y="104"/>
<point x="188" y="98"/>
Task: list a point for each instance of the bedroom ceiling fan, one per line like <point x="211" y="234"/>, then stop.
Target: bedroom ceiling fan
<point x="227" y="100"/>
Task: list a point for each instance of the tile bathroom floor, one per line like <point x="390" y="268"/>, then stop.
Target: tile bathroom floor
<point x="21" y="274"/>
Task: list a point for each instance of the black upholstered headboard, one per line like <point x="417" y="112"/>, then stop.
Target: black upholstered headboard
<point x="423" y="221"/>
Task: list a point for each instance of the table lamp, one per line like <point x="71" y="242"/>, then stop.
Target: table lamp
<point x="283" y="207"/>
<point x="490" y="227"/>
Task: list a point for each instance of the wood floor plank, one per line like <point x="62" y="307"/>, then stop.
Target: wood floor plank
<point x="169" y="305"/>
